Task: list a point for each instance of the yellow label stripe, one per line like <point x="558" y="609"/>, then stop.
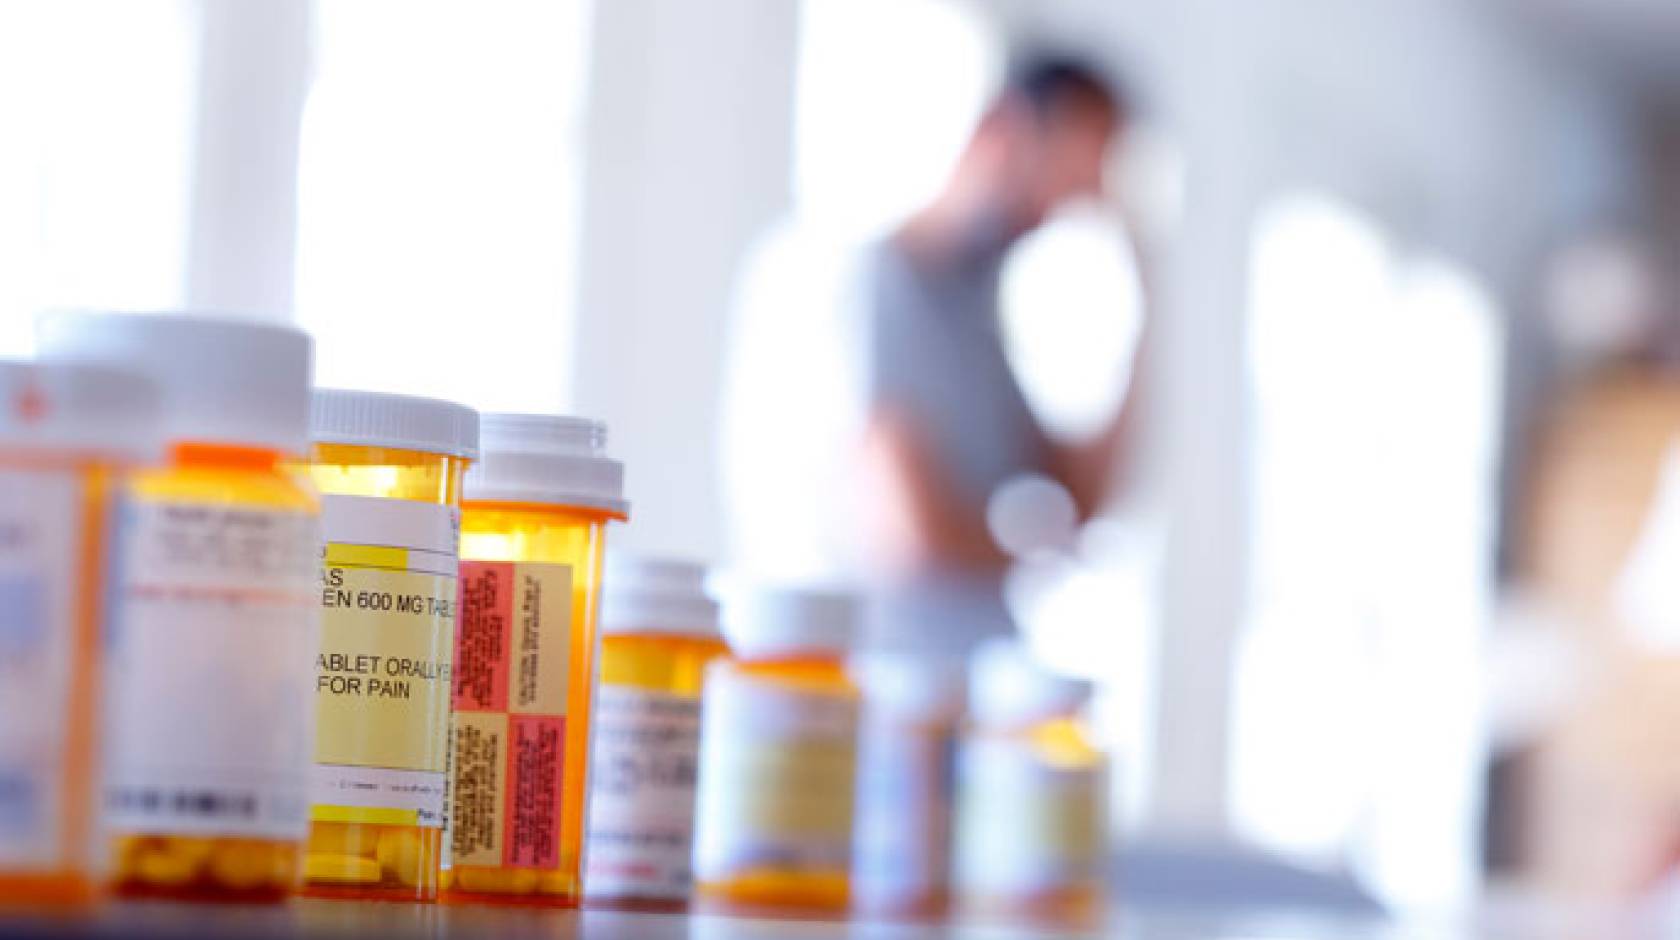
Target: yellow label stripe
<point x="369" y="556"/>
<point x="370" y="815"/>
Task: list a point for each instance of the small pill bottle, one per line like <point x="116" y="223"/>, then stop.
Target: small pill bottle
<point x="533" y="532"/>
<point x="659" y="632"/>
<point x="67" y="432"/>
<point x="778" y="754"/>
<point x="913" y="708"/>
<point x="1032" y="820"/>
<point x="211" y="699"/>
<point x="389" y="469"/>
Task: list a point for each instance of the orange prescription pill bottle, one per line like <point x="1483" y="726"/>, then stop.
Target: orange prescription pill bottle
<point x="533" y="528"/>
<point x="778" y="754"/>
<point x="66" y="433"/>
<point x="659" y="632"/>
<point x="1032" y="821"/>
<point x="389" y="469"/>
<point x="211" y="696"/>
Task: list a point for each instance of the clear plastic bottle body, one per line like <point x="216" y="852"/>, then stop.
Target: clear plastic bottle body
<point x="79" y="510"/>
<point x="651" y="684"/>
<point x="358" y="852"/>
<point x="920" y="754"/>
<point x="534" y="542"/>
<point x="209" y="481"/>
<point x="778" y="766"/>
<point x="1032" y="823"/>
<point x="913" y="705"/>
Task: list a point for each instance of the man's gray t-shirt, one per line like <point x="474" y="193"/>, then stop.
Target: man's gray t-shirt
<point x="937" y="359"/>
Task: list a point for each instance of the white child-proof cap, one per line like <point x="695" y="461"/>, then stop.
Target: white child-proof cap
<point x="652" y="595"/>
<point x="762" y="620"/>
<point x="401" y="422"/>
<point x="546" y="459"/>
<point x="912" y="687"/>
<point x="220" y="381"/>
<point x="79" y="408"/>
<point x="1007" y="687"/>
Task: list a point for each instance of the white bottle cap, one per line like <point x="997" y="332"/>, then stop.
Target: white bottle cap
<point x="79" y="408"/>
<point x="546" y="459"/>
<point x="647" y="595"/>
<point x="909" y="687"/>
<point x="762" y="620"/>
<point x="220" y="381"/>
<point x="401" y="422"/>
<point x="1007" y="688"/>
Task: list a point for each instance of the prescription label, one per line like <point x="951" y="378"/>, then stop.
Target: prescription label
<point x="1026" y="825"/>
<point x="641" y="807"/>
<point x="513" y="662"/>
<point x="776" y="777"/>
<point x="388" y="583"/>
<point x="211" y="698"/>
<point x="40" y="529"/>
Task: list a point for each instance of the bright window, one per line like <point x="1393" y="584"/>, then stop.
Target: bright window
<point x="887" y="93"/>
<point x="97" y="155"/>
<point x="439" y="198"/>
<point x="1377" y="377"/>
<point x="1072" y="308"/>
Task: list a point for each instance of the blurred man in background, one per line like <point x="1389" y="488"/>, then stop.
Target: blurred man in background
<point x="871" y="414"/>
<point x="948" y="424"/>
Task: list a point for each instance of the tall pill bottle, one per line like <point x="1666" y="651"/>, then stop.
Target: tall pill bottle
<point x="913" y="708"/>
<point x="211" y="694"/>
<point x="389" y="469"/>
<point x="67" y="432"/>
<point x="659" y="632"/>
<point x="1032" y="819"/>
<point x="533" y="529"/>
<point x="778" y="754"/>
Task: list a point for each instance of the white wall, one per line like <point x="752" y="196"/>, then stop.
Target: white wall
<point x="690" y="132"/>
<point x="254" y="72"/>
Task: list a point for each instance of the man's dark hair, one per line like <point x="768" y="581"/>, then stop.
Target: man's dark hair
<point x="1047" y="81"/>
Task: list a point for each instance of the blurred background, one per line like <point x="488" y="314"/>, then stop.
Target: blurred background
<point x="1392" y="602"/>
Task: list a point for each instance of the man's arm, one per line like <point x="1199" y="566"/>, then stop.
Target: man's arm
<point x="1095" y="469"/>
<point x="916" y="521"/>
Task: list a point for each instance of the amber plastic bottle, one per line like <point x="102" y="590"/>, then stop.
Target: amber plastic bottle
<point x="210" y="699"/>
<point x="389" y="468"/>
<point x="67" y="432"/>
<point x="533" y="530"/>
<point x="1032" y="822"/>
<point x="659" y="633"/>
<point x="778" y="756"/>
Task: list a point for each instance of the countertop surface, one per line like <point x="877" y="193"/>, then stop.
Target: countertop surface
<point x="311" y="918"/>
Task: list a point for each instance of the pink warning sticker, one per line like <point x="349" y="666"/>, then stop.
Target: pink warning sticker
<point x="535" y="762"/>
<point x="484" y="637"/>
